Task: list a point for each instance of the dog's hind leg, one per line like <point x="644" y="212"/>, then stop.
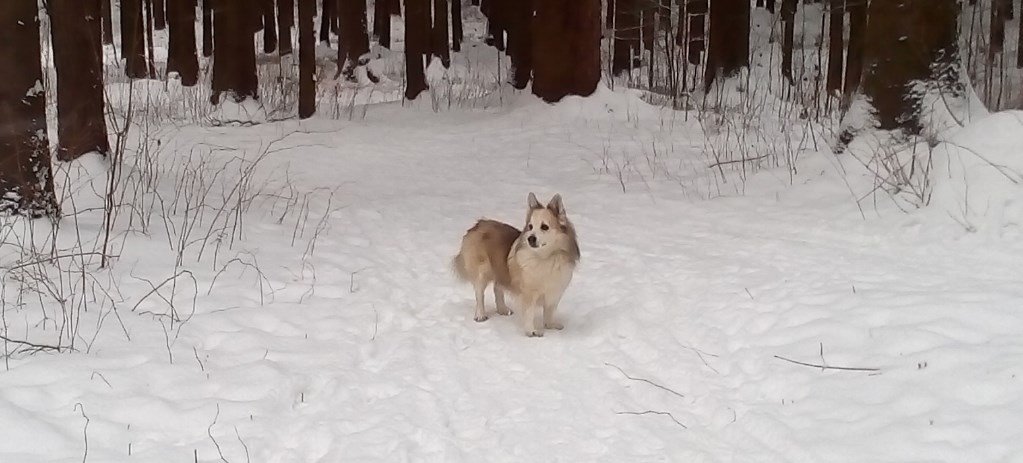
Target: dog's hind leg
<point x="480" y="286"/>
<point x="502" y="308"/>
<point x="548" y="316"/>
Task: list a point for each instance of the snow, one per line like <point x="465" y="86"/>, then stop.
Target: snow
<point x="331" y="329"/>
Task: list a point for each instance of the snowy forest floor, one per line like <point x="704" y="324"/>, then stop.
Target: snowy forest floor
<point x="327" y="326"/>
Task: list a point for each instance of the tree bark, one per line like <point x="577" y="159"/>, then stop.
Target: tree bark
<point x="108" y="23"/>
<point x="207" y="28"/>
<point x="26" y="178"/>
<point x="857" y="46"/>
<point x="912" y="43"/>
<point x="181" y="56"/>
<point x="354" y="40"/>
<point x="382" y="22"/>
<point x="234" y="51"/>
<point x="566" y="48"/>
<point x="328" y="16"/>
<point x="788" y="17"/>
<point x="626" y="36"/>
<point x="520" y="41"/>
<point x="698" y="10"/>
<point x="285" y="22"/>
<point x="269" y="19"/>
<point x="495" y="10"/>
<point x="159" y="14"/>
<point x="133" y="42"/>
<point x="417" y="46"/>
<point x="439" y="36"/>
<point x="457" y="33"/>
<point x="76" y="27"/>
<point x="150" y="46"/>
<point x="729" y="40"/>
<point x="306" y="58"/>
<point x="836" y="46"/>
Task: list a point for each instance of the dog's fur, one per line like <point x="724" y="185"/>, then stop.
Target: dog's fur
<point x="535" y="264"/>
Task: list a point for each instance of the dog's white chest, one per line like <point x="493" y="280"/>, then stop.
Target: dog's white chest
<point x="549" y="277"/>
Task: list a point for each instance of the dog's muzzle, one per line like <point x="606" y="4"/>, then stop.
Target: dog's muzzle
<point x="531" y="240"/>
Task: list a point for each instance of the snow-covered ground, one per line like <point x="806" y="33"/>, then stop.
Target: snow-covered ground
<point x="320" y="323"/>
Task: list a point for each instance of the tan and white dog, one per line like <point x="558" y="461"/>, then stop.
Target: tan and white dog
<point x="535" y="264"/>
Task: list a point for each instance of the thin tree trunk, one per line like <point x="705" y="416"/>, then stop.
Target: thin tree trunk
<point x="771" y="4"/>
<point x="76" y="27"/>
<point x="306" y="58"/>
<point x="698" y="10"/>
<point x="26" y="178"/>
<point x="729" y="40"/>
<point x="520" y="41"/>
<point x="159" y="14"/>
<point x="285" y="22"/>
<point x="999" y="15"/>
<point x="626" y="36"/>
<point x="382" y="22"/>
<point x="457" y="34"/>
<point x="133" y="41"/>
<point x="836" y="46"/>
<point x="207" y="28"/>
<point x="854" y="54"/>
<point x="439" y="36"/>
<point x="108" y="23"/>
<point x="269" y="19"/>
<point x="150" y="46"/>
<point x="609" y="19"/>
<point x="181" y="56"/>
<point x="417" y="46"/>
<point x="1019" y="42"/>
<point x="566" y="48"/>
<point x="234" y="52"/>
<point x="328" y="16"/>
<point x="788" y="17"/>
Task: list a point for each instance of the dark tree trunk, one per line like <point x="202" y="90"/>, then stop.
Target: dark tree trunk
<point x="609" y="18"/>
<point x="788" y="17"/>
<point x="417" y="46"/>
<point x="911" y="41"/>
<point x="771" y="3"/>
<point x="150" y="46"/>
<point x="354" y="40"/>
<point x="26" y="178"/>
<point x="395" y="7"/>
<point x="76" y="27"/>
<point x="626" y="36"/>
<point x="457" y="34"/>
<point x="108" y="22"/>
<point x="181" y="54"/>
<point x="133" y="41"/>
<point x="207" y="28"/>
<point x="566" y="48"/>
<point x="382" y="22"/>
<point x="328" y="16"/>
<point x="495" y="11"/>
<point x="999" y="15"/>
<point x="648" y="17"/>
<point x="269" y="26"/>
<point x="159" y="14"/>
<point x="234" y="52"/>
<point x="836" y="46"/>
<point x="1019" y="43"/>
<point x="520" y="41"/>
<point x="729" y="39"/>
<point x="698" y="10"/>
<point x="854" y="54"/>
<point x="439" y="33"/>
<point x="285" y="22"/>
<point x="306" y="58"/>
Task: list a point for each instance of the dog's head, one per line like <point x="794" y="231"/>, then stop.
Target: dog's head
<point x="547" y="227"/>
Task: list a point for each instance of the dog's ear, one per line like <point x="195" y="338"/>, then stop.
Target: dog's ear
<point x="533" y="202"/>
<point x="557" y="206"/>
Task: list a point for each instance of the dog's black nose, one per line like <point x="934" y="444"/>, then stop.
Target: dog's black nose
<point x="532" y="240"/>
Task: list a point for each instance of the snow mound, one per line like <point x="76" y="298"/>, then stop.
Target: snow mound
<point x="246" y="112"/>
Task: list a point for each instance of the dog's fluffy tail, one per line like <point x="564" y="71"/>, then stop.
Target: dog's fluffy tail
<point x="458" y="266"/>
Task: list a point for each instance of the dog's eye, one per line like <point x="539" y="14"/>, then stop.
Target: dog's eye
<point x="543" y="227"/>
<point x="529" y="227"/>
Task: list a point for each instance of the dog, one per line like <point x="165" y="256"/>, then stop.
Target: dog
<point x="535" y="264"/>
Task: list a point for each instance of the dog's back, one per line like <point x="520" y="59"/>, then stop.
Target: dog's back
<point x="484" y="254"/>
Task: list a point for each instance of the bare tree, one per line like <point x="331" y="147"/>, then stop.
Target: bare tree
<point x="133" y="42"/>
<point x="519" y="22"/>
<point x="269" y="22"/>
<point x="729" y="39"/>
<point x="788" y="18"/>
<point x="457" y="34"/>
<point x="382" y="22"/>
<point x="626" y="36"/>
<point x="234" y="51"/>
<point x="566" y="48"/>
<point x="26" y="178"/>
<point x="159" y="14"/>
<point x="439" y="33"/>
<point x="306" y="58"/>
<point x="494" y="10"/>
<point x="207" y="28"/>
<point x="417" y="46"/>
<point x="181" y="56"/>
<point x="76" y="27"/>
<point x="857" y="44"/>
<point x="836" y="46"/>
<point x="328" y="19"/>
<point x="697" y="11"/>
<point x="285" y="22"/>
<point x="354" y="39"/>
<point x="108" y="23"/>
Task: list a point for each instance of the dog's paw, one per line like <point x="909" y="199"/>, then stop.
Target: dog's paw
<point x="534" y="333"/>
<point x="505" y="311"/>
<point x="554" y="325"/>
<point x="481" y="318"/>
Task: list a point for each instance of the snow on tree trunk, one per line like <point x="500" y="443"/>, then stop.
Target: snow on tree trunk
<point x="729" y="39"/>
<point x="26" y="179"/>
<point x="76" y="27"/>
<point x="181" y="56"/>
<point x="133" y="42"/>
<point x="417" y="46"/>
<point x="306" y="58"/>
<point x="566" y="48"/>
<point x="234" y="51"/>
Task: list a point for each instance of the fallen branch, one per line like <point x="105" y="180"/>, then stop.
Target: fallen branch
<point x="654" y="412"/>
<point x="826" y="367"/>
<point x="36" y="347"/>
<point x="736" y="161"/>
<point x="644" y="380"/>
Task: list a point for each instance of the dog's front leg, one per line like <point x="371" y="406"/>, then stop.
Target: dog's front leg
<point x="529" y="319"/>
<point x="502" y="307"/>
<point x="548" y="316"/>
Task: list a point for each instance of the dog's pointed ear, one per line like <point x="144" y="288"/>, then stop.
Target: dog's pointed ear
<point x="557" y="206"/>
<point x="533" y="202"/>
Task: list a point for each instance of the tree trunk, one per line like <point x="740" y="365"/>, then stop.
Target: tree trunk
<point x="771" y="3"/>
<point x="566" y="48"/>
<point x="697" y="10"/>
<point x="495" y="10"/>
<point x="382" y="22"/>
<point x="269" y="26"/>
<point x="854" y="55"/>
<point x="439" y="36"/>
<point x="159" y="14"/>
<point x="999" y="15"/>
<point x="306" y="58"/>
<point x="133" y="41"/>
<point x="520" y="41"/>
<point x="328" y="16"/>
<point x="1019" y="42"/>
<point x="207" y="28"/>
<point x="26" y="178"/>
<point x="910" y="42"/>
<point x="76" y="27"/>
<point x="788" y="17"/>
<point x="181" y="54"/>
<point x="285" y="22"/>
<point x="729" y="39"/>
<point x="234" y="52"/>
<point x="108" y="23"/>
<point x="150" y="46"/>
<point x="417" y="46"/>
<point x="354" y="40"/>
<point x="457" y="34"/>
<point x="836" y="46"/>
<point x="626" y="36"/>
